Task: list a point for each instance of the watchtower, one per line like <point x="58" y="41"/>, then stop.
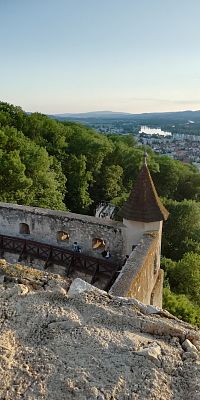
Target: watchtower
<point x="143" y="211"/>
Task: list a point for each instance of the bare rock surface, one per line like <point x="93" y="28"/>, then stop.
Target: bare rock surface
<point x="91" y="346"/>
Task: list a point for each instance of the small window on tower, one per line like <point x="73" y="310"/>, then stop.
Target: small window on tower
<point x="62" y="236"/>
<point x="98" y="244"/>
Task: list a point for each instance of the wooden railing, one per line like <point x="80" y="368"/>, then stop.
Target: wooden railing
<point x="73" y="261"/>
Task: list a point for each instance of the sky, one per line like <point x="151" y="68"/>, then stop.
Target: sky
<point x="135" y="56"/>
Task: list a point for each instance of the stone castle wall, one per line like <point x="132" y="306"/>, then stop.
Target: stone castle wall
<point x="44" y="225"/>
<point x="141" y="276"/>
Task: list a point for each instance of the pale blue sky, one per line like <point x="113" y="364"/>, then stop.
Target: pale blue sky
<point x="84" y="55"/>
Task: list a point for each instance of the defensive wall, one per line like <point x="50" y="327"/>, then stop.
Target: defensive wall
<point x="62" y="229"/>
<point x="139" y="277"/>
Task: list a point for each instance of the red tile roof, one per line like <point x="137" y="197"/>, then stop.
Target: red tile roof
<point x="143" y="203"/>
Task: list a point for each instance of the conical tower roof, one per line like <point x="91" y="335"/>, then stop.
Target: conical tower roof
<point x="143" y="203"/>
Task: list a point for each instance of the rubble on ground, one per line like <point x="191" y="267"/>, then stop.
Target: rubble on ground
<point x="88" y="345"/>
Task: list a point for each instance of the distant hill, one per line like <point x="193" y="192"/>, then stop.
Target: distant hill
<point x="94" y="114"/>
<point x="160" y="116"/>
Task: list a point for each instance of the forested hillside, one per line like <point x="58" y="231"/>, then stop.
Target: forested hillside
<point x="67" y="166"/>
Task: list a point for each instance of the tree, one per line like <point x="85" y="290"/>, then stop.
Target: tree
<point x="167" y="177"/>
<point x="168" y="266"/>
<point x="47" y="133"/>
<point x="26" y="172"/>
<point x="176" y="180"/>
<point x="185" y="277"/>
<point x="108" y="184"/>
<point x="112" y="179"/>
<point x="95" y="147"/>
<point x="189" y="186"/>
<point x="183" y="224"/>
<point x="180" y="306"/>
<point x="78" y="180"/>
<point x="14" y="184"/>
<point x="11" y="116"/>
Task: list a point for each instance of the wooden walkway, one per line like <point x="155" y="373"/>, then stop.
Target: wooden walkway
<point x="97" y="268"/>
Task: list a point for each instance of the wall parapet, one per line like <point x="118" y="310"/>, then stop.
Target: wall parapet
<point x="141" y="273"/>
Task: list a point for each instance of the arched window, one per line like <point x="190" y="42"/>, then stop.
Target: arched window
<point x="98" y="244"/>
<point x="62" y="236"/>
<point x="24" y="229"/>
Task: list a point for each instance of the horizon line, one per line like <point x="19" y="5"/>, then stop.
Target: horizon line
<point x="116" y="112"/>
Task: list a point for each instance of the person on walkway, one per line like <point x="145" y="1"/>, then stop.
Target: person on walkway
<point x="108" y="255"/>
<point x="76" y="248"/>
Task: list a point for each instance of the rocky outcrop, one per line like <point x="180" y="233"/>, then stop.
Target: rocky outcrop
<point x="88" y="345"/>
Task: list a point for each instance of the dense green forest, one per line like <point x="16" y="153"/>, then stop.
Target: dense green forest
<point x="68" y="166"/>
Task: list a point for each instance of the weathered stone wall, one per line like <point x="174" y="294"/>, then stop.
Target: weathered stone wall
<point x="141" y="277"/>
<point x="136" y="229"/>
<point x="156" y="295"/>
<point x="44" y="225"/>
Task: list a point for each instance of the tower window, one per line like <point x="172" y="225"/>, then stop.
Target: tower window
<point x="98" y="244"/>
<point x="24" y="229"/>
<point x="62" y="236"/>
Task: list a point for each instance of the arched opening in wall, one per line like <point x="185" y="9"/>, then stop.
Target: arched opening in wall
<point x="24" y="229"/>
<point x="62" y="236"/>
<point x="98" y="244"/>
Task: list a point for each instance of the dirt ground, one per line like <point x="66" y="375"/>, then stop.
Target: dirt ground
<point x="90" y="346"/>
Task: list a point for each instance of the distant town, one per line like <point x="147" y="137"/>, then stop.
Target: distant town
<point x="180" y="146"/>
<point x="174" y="134"/>
<point x="183" y="147"/>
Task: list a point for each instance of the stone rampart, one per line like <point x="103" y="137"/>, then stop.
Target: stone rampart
<point x="141" y="276"/>
<point x="44" y="225"/>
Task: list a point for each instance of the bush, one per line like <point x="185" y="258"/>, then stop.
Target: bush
<point x="180" y="306"/>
